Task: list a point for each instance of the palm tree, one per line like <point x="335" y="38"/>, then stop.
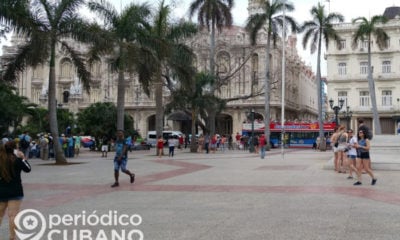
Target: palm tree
<point x="315" y="31"/>
<point x="271" y="22"/>
<point x="192" y="98"/>
<point x="173" y="58"/>
<point x="123" y="35"/>
<point x="215" y="14"/>
<point x="47" y="25"/>
<point x="365" y="32"/>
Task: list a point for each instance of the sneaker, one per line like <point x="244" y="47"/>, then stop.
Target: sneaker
<point x="115" y="185"/>
<point x="374" y="181"/>
<point x="350" y="177"/>
<point x="357" y="183"/>
<point x="132" y="177"/>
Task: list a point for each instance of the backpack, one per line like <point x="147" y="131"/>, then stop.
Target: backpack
<point x="24" y="143"/>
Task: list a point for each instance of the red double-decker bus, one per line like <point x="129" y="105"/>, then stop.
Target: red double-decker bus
<point x="296" y="134"/>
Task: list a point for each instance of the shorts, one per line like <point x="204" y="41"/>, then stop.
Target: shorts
<point x="352" y="157"/>
<point x="11" y="199"/>
<point x="335" y="149"/>
<point x="341" y="148"/>
<point x="104" y="148"/>
<point x="120" y="164"/>
<point x="364" y="155"/>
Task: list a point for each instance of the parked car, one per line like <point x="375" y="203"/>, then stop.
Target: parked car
<point x="141" y="146"/>
<point x="88" y="142"/>
<point x="152" y="138"/>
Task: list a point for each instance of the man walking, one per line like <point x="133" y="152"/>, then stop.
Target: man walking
<point x="121" y="158"/>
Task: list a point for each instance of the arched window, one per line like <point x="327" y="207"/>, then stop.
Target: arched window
<point x="38" y="72"/>
<point x="95" y="69"/>
<point x="254" y="69"/>
<point x="66" y="68"/>
<point x="223" y="63"/>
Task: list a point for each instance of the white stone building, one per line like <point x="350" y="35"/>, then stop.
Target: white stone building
<point x="232" y="48"/>
<point x="347" y="75"/>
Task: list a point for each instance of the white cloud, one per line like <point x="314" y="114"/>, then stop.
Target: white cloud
<point x="348" y="8"/>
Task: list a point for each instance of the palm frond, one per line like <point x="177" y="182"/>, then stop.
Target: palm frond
<point x="106" y="11"/>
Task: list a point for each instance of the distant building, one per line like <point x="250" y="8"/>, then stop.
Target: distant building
<point x="232" y="48"/>
<point x="348" y="69"/>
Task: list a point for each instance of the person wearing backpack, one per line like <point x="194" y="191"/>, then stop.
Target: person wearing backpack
<point x="24" y="143"/>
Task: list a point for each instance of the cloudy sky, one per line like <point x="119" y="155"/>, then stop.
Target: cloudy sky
<point x="348" y="8"/>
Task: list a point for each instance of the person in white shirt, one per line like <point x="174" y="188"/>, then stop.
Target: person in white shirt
<point x="351" y="153"/>
<point x="171" y="145"/>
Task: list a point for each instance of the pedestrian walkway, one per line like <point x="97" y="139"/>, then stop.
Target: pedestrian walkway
<point x="231" y="195"/>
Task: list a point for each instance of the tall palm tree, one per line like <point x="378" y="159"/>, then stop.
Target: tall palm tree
<point x="368" y="29"/>
<point x="122" y="43"/>
<point x="272" y="23"/>
<point x="315" y="31"/>
<point x="213" y="14"/>
<point x="173" y="58"/>
<point x="47" y="25"/>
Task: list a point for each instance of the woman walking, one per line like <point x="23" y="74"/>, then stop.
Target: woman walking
<point x="12" y="162"/>
<point x="363" y="159"/>
<point x="342" y="140"/>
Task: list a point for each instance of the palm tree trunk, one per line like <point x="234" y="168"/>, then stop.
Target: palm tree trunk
<point x="52" y="105"/>
<point x="212" y="51"/>
<point x="267" y="120"/>
<point x="371" y="86"/>
<point x="159" y="104"/>
<point x="193" y="144"/>
<point x="319" y="90"/>
<point x="212" y="111"/>
<point x="121" y="99"/>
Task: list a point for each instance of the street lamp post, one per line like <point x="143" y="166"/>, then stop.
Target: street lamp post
<point x="336" y="109"/>
<point x="347" y="115"/>
<point x="251" y="145"/>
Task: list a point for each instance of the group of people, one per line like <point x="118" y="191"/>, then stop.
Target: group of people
<point x="351" y="152"/>
<point x="70" y="145"/>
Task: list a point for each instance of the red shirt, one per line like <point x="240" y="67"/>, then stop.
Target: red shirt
<point x="261" y="141"/>
<point x="160" y="143"/>
<point x="238" y="137"/>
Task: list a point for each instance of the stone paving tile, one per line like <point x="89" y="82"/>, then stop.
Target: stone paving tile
<point x="231" y="195"/>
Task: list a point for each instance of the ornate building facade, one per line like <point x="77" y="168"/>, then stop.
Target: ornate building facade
<point x="232" y="50"/>
<point x="348" y="69"/>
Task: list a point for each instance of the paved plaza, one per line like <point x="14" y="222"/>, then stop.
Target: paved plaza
<point x="227" y="195"/>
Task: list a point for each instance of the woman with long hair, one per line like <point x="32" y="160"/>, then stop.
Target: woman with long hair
<point x="363" y="146"/>
<point x="12" y="162"/>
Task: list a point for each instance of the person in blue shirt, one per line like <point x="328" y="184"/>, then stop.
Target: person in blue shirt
<point x="28" y="139"/>
<point x="121" y="159"/>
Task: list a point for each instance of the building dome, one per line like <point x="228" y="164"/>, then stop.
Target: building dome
<point x="392" y="12"/>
